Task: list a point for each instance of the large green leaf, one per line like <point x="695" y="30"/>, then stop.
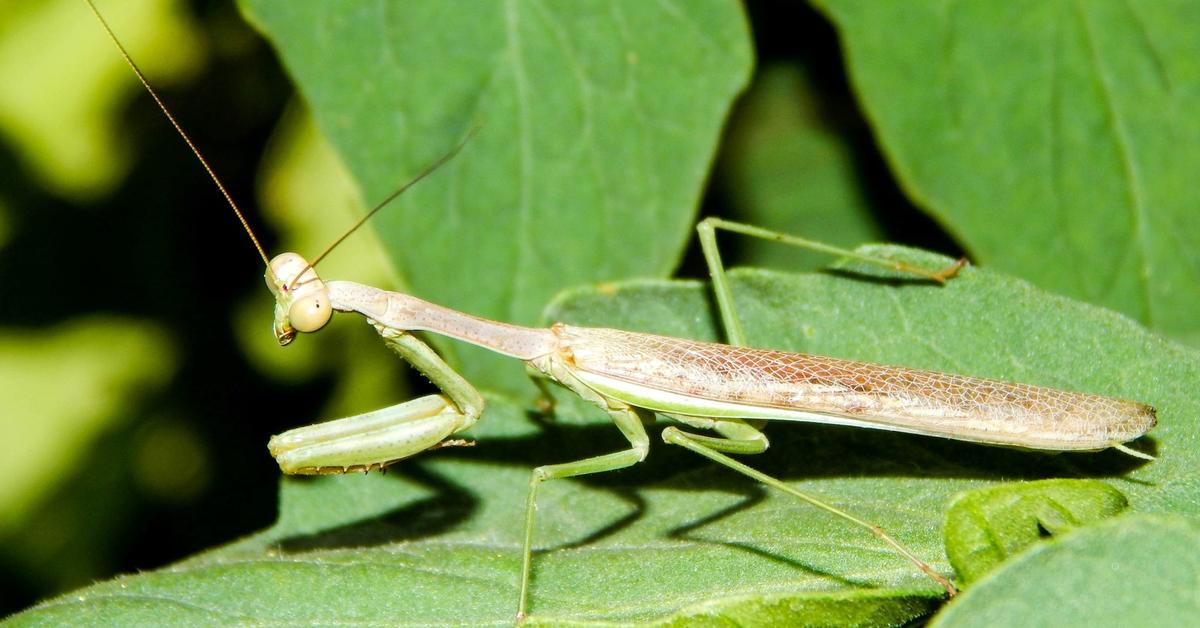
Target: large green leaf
<point x="676" y="539"/>
<point x="987" y="526"/>
<point x="598" y="124"/>
<point x="1058" y="140"/>
<point x="1134" y="571"/>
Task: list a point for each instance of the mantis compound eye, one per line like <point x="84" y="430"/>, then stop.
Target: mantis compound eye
<point x="310" y="313"/>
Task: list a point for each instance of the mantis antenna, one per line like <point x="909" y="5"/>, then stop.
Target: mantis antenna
<point x="229" y="198"/>
<point x="390" y="197"/>
<point x="167" y="112"/>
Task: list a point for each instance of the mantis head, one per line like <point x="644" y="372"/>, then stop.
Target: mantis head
<point x="301" y="298"/>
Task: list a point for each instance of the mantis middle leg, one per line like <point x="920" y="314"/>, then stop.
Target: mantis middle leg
<point x="627" y="420"/>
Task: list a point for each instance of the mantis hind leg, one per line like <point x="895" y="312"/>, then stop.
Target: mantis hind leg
<point x="744" y="437"/>
<point x="715" y="448"/>
<point x="737" y="436"/>
<point x="707" y="231"/>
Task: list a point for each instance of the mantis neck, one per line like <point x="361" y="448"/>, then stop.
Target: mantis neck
<point x="403" y="312"/>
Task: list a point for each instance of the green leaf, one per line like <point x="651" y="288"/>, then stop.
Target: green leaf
<point x="549" y="201"/>
<point x="986" y="526"/>
<point x="788" y="166"/>
<point x="982" y="323"/>
<point x="1131" y="571"/>
<point x="437" y="541"/>
<point x="1057" y="140"/>
<point x="676" y="539"/>
<point x="598" y="124"/>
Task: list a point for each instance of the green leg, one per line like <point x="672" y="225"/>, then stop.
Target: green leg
<point x="626" y="420"/>
<point x="737" y="436"/>
<point x="377" y="439"/>
<point x="365" y="442"/>
<point x="712" y="448"/>
<point x="466" y="399"/>
<point x="745" y="437"/>
<point x="545" y="402"/>
<point x="707" y="228"/>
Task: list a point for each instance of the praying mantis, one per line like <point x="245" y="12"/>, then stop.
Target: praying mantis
<point x="727" y="389"/>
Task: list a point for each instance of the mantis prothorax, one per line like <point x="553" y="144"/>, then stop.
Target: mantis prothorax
<point x="728" y="389"/>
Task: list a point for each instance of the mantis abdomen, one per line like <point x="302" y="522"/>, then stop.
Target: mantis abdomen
<point x="766" y="384"/>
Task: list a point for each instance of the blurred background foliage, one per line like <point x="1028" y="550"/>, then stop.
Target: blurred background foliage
<point x="125" y="438"/>
<point x="138" y="380"/>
